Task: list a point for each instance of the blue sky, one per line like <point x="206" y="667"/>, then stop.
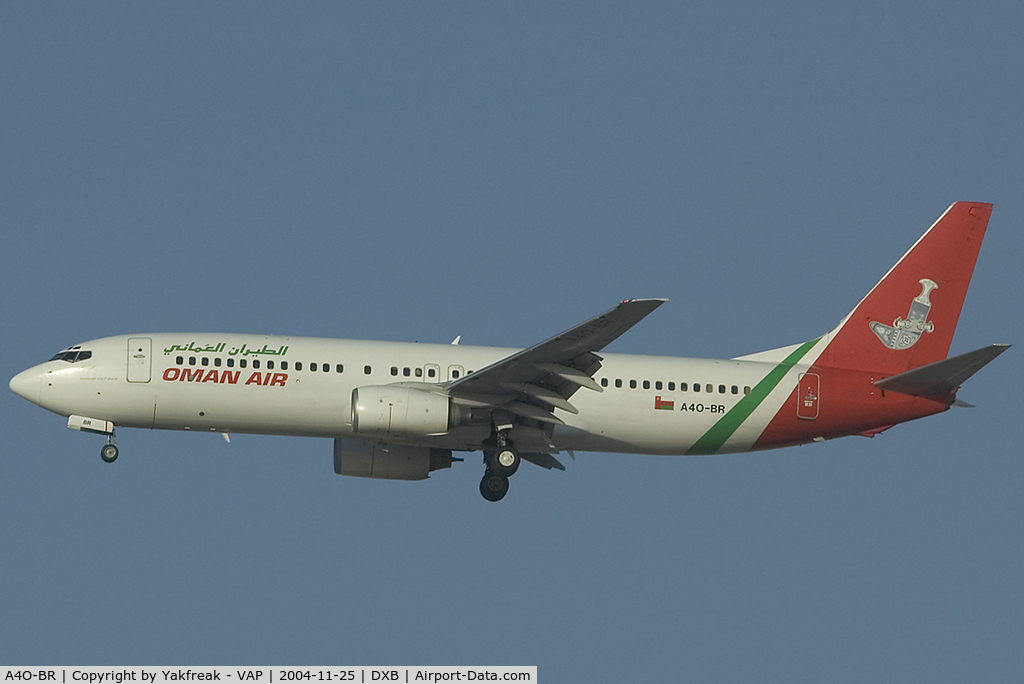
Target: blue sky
<point x="416" y="171"/>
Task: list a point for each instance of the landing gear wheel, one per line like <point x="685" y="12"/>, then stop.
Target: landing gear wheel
<point x="108" y="453"/>
<point x="493" y="487"/>
<point x="503" y="461"/>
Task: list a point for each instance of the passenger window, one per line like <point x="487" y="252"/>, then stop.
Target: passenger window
<point x="696" y="387"/>
<point x="419" y="372"/>
<point x="671" y="387"/>
<point x="431" y="372"/>
<point x="407" y="371"/>
<point x="298" y="365"/>
<point x="709" y="387"/>
<point x="205" y="361"/>
<point x="312" y="367"/>
<point x="657" y="385"/>
<point x="270" y="365"/>
<point x="191" y="360"/>
<point x="216" y="361"/>
<point x="367" y="370"/>
<point x="180" y="360"/>
<point x="340" y="368"/>
<point x="746" y="389"/>
<point x="735" y="389"/>
<point x="284" y="365"/>
<point x="604" y="382"/>
<point x="255" y="363"/>
<point x="632" y="384"/>
<point x="618" y="382"/>
<point x="242" y="363"/>
<point x="647" y="384"/>
<point x="721" y="389"/>
<point x="394" y="370"/>
<point x="231" y="363"/>
<point x="682" y="387"/>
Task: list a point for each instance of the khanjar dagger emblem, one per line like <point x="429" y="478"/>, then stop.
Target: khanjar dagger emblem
<point x="905" y="332"/>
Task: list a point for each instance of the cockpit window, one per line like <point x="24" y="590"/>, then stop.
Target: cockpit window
<point x="72" y="354"/>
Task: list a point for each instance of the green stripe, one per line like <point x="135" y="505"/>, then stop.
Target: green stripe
<point x="714" y="438"/>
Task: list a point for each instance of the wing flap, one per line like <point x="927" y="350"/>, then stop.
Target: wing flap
<point x="543" y="460"/>
<point x="537" y="413"/>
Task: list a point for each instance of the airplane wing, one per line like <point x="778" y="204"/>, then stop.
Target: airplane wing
<point x="533" y="382"/>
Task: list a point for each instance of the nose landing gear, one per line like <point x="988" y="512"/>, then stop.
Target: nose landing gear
<point x="109" y="451"/>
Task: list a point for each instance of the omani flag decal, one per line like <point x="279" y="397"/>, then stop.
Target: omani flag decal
<point x="664" y="405"/>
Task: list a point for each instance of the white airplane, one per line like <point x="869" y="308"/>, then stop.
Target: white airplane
<point x="398" y="410"/>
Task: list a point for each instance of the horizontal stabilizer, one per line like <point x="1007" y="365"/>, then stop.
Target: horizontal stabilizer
<point x="941" y="377"/>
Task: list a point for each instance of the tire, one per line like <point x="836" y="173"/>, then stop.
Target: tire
<point x="108" y="453"/>
<point x="493" y="487"/>
<point x="504" y="461"/>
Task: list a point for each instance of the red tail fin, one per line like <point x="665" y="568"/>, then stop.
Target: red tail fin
<point x="908" y="318"/>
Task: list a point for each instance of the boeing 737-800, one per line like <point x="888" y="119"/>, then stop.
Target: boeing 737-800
<point x="399" y="410"/>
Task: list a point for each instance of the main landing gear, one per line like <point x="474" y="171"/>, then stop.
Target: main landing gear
<point x="109" y="451"/>
<point x="493" y="487"/>
<point x="501" y="464"/>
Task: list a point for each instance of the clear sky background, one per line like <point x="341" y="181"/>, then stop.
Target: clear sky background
<point x="417" y="171"/>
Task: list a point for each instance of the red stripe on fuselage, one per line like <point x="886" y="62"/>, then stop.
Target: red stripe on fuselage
<point x="848" y="404"/>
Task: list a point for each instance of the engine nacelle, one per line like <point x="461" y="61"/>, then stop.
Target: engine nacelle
<point x="391" y="411"/>
<point x="387" y="461"/>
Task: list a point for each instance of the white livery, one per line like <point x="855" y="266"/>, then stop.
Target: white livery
<point x="400" y="410"/>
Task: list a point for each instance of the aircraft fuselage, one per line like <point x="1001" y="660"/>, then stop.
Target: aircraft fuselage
<point x="303" y="386"/>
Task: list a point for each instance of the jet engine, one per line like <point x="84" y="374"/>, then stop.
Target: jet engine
<point x="387" y="461"/>
<point x="402" y="412"/>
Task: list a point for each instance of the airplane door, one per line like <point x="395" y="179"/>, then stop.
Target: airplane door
<point x="432" y="372"/>
<point x="140" y="351"/>
<point x="807" y="397"/>
<point x="455" y="372"/>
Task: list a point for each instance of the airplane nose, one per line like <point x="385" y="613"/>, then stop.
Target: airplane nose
<point x="27" y="384"/>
